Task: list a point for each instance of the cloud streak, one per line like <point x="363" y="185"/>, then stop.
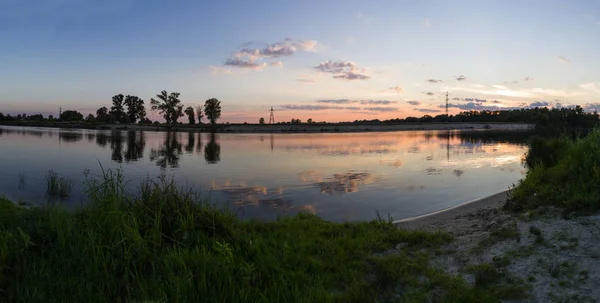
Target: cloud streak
<point x="415" y="103"/>
<point x="461" y="78"/>
<point x="253" y="57"/>
<point x="427" y="110"/>
<point x="564" y="59"/>
<point x="345" y="70"/>
<point x="434" y="81"/>
<point x="397" y="88"/>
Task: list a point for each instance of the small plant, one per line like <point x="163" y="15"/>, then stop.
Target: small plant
<point x="539" y="238"/>
<point x="57" y="186"/>
<point x="21" y="181"/>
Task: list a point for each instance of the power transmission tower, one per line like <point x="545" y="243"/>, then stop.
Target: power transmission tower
<point x="272" y="117"/>
<point x="447" y="116"/>
<point x="59" y="112"/>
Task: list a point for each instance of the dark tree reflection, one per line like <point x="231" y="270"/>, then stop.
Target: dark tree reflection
<point x="136" y="143"/>
<point x="189" y="147"/>
<point x="116" y="145"/>
<point x="169" y="154"/>
<point x="212" y="150"/>
<point x="199" y="144"/>
<point x="102" y="139"/>
<point x="69" y="137"/>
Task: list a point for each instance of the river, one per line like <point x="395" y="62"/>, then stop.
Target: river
<point x="338" y="176"/>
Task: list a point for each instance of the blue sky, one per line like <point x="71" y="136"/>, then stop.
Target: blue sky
<point x="328" y="60"/>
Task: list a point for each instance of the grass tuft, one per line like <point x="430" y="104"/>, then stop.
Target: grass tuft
<point x="57" y="186"/>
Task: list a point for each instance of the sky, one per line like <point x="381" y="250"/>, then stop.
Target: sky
<point x="326" y="60"/>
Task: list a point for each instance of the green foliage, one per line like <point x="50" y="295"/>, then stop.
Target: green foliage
<point x="568" y="179"/>
<point x="116" y="111"/>
<point x="164" y="244"/>
<point x="212" y="110"/>
<point x="189" y="111"/>
<point x="135" y="108"/>
<point x="71" y="115"/>
<point x="102" y="115"/>
<point x="168" y="105"/>
<point x="545" y="151"/>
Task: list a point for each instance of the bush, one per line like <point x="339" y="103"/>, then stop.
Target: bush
<point x="562" y="172"/>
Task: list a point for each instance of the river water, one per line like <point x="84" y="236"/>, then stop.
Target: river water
<point x="338" y="176"/>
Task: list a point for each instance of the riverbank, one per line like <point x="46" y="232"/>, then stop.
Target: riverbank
<point x="557" y="258"/>
<point x="166" y="244"/>
<point x="289" y="128"/>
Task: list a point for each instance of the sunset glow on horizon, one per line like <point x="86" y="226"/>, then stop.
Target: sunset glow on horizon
<point x="325" y="60"/>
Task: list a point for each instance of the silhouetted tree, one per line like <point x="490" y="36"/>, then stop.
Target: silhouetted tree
<point x="135" y="108"/>
<point x="50" y="117"/>
<point x="212" y="150"/>
<point x="261" y="120"/>
<point x="71" y="115"/>
<point x="90" y="118"/>
<point x="116" y="111"/>
<point x="212" y="110"/>
<point x="189" y="111"/>
<point x="309" y="120"/>
<point x="169" y="153"/>
<point x="199" y="114"/>
<point x="36" y="117"/>
<point x="102" y="115"/>
<point x="168" y="105"/>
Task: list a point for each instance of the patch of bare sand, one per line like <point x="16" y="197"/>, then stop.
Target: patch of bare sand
<point x="558" y="257"/>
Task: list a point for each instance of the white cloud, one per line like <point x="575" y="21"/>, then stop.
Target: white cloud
<point x="276" y="64"/>
<point x="219" y="70"/>
<point x="342" y="70"/>
<point x="590" y="86"/>
<point x="251" y="57"/>
<point x="564" y="59"/>
<point x="396" y="88"/>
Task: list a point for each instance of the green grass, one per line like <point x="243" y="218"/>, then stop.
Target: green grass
<point x="563" y="172"/>
<point x="164" y="245"/>
<point x="56" y="185"/>
<point x="505" y="233"/>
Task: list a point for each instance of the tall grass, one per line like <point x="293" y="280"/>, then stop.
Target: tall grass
<point x="57" y="186"/>
<point x="563" y="172"/>
<point x="163" y="244"/>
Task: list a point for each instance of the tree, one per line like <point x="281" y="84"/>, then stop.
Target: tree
<point x="261" y="120"/>
<point x="116" y="111"/>
<point x="189" y="111"/>
<point x="71" y="115"/>
<point x="102" y="115"/>
<point x="1" y="116"/>
<point x="168" y="105"/>
<point x="212" y="110"/>
<point x="135" y="108"/>
<point x="309" y="120"/>
<point x="199" y="114"/>
<point x="50" y="117"/>
<point x="90" y="118"/>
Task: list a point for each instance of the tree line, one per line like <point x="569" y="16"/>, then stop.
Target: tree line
<point x="131" y="109"/>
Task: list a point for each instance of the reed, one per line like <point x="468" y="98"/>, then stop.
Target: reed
<point x="57" y="186"/>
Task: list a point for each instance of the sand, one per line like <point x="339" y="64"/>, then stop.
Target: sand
<point x="561" y="263"/>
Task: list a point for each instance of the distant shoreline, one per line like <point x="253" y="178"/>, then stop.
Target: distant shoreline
<point x="287" y="128"/>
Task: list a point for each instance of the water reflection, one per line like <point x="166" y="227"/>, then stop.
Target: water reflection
<point x="66" y="136"/>
<point x="136" y="143"/>
<point x="343" y="183"/>
<point x="212" y="150"/>
<point x="169" y="153"/>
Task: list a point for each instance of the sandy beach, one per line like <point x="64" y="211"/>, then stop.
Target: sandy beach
<point x="558" y="257"/>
